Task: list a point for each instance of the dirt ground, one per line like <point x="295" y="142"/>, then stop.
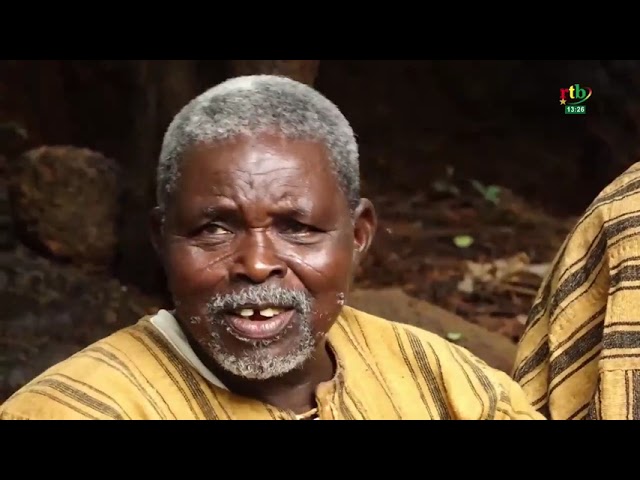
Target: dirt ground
<point x="474" y="250"/>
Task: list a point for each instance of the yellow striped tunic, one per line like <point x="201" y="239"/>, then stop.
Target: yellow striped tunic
<point x="579" y="357"/>
<point x="385" y="371"/>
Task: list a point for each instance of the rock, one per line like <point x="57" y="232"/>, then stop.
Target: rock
<point x="393" y="304"/>
<point x="65" y="204"/>
<point x="50" y="311"/>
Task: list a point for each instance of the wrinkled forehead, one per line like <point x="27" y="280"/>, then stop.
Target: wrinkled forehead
<point x="265" y="168"/>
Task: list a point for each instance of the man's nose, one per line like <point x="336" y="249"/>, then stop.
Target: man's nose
<point x="256" y="260"/>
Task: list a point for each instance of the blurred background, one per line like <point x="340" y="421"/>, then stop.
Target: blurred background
<point x="475" y="169"/>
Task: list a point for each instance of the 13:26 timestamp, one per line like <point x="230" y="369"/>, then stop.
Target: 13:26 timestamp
<point x="575" y="109"/>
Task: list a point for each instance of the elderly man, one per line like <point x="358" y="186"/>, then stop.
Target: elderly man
<point x="579" y="357"/>
<point x="260" y="226"/>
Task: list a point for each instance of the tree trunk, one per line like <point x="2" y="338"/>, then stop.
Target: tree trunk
<point x="304" y="71"/>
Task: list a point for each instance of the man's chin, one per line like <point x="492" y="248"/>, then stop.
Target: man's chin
<point x="263" y="359"/>
<point x="261" y="363"/>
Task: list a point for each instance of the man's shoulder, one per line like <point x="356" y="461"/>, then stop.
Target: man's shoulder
<point x="620" y="196"/>
<point x="606" y="226"/>
<point x="629" y="180"/>
<point x="416" y="360"/>
<point x="88" y="384"/>
<point x="366" y="324"/>
<point x="402" y="343"/>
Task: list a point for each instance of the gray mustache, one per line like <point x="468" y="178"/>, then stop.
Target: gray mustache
<point x="260" y="295"/>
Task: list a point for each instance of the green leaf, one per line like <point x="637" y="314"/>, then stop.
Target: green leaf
<point x="492" y="194"/>
<point x="463" y="241"/>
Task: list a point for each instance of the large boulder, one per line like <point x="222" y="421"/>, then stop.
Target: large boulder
<point x="65" y="202"/>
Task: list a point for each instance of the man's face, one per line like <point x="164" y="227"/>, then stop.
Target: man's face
<point x="259" y="248"/>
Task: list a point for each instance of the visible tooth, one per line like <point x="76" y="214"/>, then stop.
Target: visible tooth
<point x="270" y="312"/>
<point x="246" y="312"/>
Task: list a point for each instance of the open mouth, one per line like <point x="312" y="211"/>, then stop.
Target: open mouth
<point x="260" y="322"/>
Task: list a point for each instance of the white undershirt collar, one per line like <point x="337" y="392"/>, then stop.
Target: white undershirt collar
<point x="169" y="327"/>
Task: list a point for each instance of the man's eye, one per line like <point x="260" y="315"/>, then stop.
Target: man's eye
<point x="215" y="229"/>
<point x="292" y="227"/>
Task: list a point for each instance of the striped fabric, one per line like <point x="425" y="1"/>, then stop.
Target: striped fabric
<point x="385" y="371"/>
<point x="579" y="357"/>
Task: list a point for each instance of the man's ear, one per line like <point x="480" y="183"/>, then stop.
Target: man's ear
<point x="156" y="220"/>
<point x="365" y="223"/>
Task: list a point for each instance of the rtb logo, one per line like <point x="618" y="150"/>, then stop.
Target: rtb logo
<point x="574" y="97"/>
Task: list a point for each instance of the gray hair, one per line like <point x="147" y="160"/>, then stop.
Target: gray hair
<point x="249" y="105"/>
